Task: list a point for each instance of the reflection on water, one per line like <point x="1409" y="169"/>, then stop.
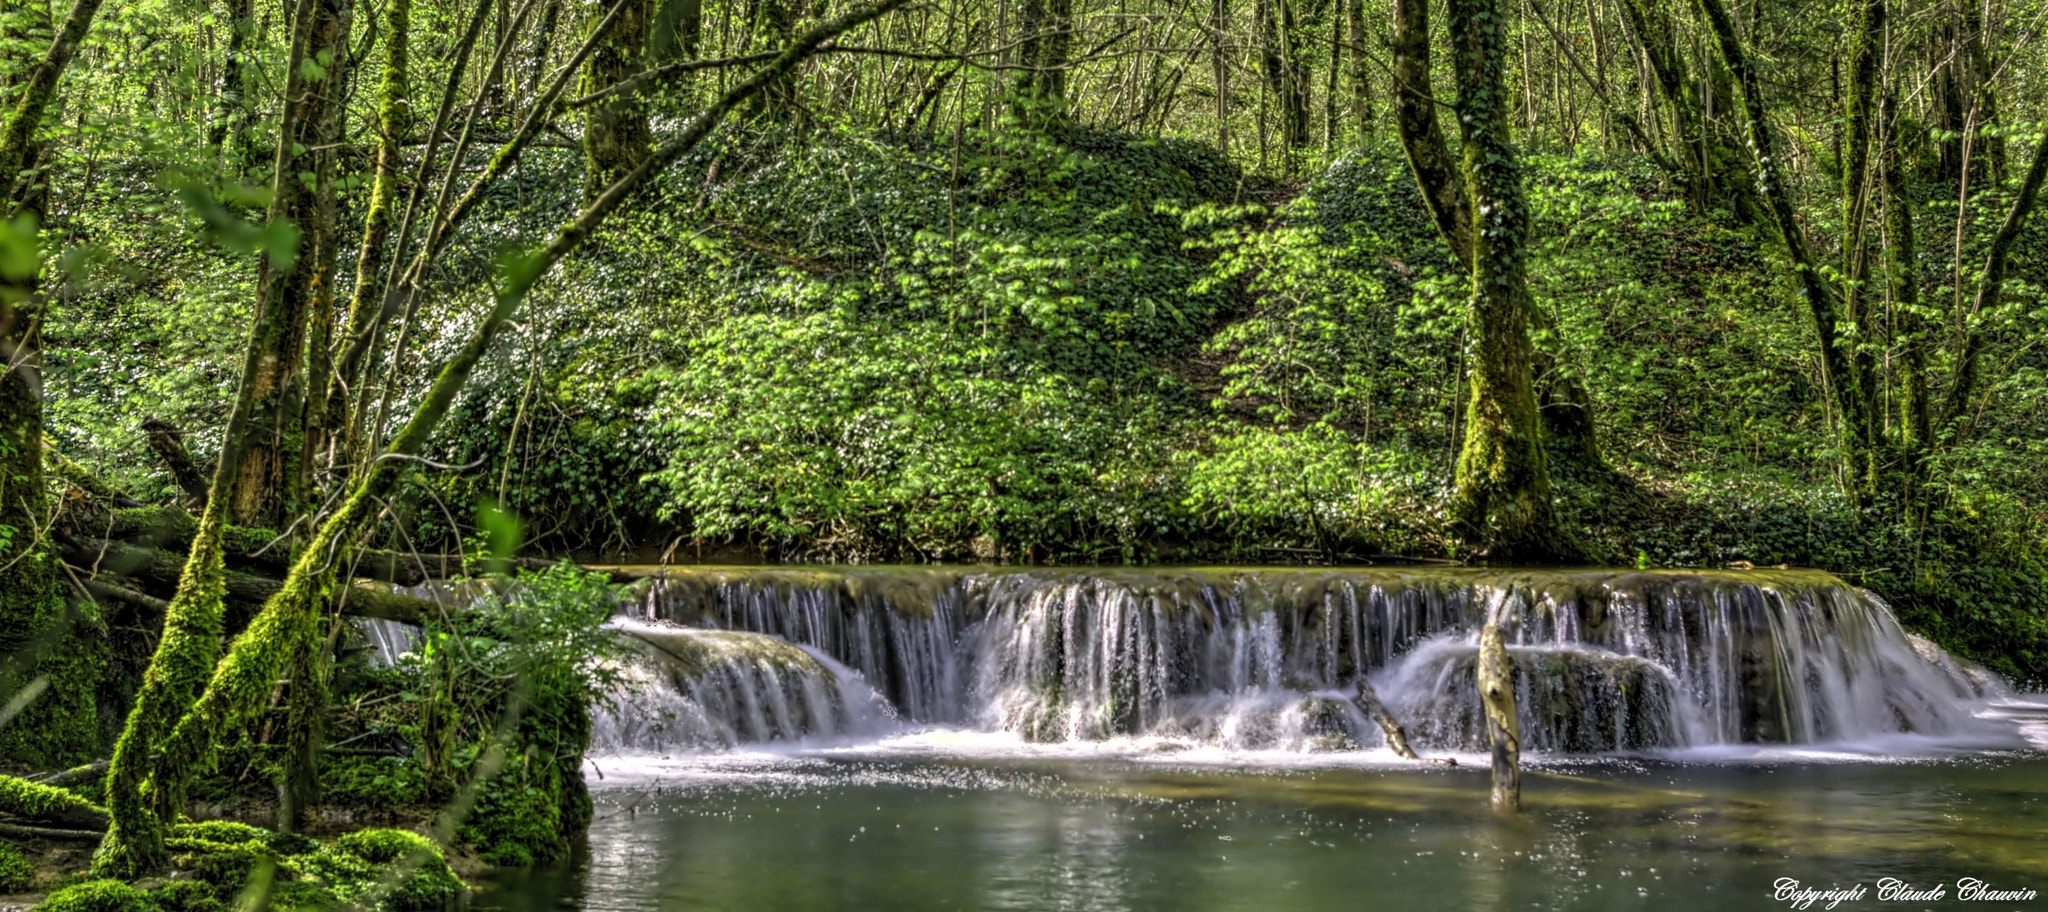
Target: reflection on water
<point x="907" y="827"/>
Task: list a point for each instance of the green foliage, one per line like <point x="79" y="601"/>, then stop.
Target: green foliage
<point x="511" y="686"/>
<point x="98" y="896"/>
<point x="16" y="873"/>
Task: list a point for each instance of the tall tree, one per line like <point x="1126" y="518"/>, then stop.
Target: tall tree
<point x="1814" y="290"/>
<point x="616" y="137"/>
<point x="42" y="659"/>
<point x="267" y="487"/>
<point x="1503" y="502"/>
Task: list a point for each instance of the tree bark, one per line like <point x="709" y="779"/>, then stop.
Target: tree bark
<point x="266" y="482"/>
<point x="1502" y="504"/>
<point x="616" y="137"/>
<point x="1503" y="721"/>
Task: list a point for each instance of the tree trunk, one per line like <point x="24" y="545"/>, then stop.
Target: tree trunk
<point x="266" y="487"/>
<point x="616" y="137"/>
<point x="1915" y="421"/>
<point x="1502" y="505"/>
<point x="1046" y="40"/>
<point x="1422" y="136"/>
<point x="190" y="641"/>
<point x="231" y="111"/>
<point x="1503" y="721"/>
<point x="394" y="120"/>
<point x="47" y="654"/>
<point x="1280" y="59"/>
<point x="1361" y="69"/>
<point x="1856" y="181"/>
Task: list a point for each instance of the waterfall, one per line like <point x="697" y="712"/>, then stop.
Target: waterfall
<point x="1265" y="658"/>
<point x="692" y="690"/>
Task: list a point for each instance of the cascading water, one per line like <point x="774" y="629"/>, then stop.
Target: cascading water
<point x="690" y="690"/>
<point x="1607" y="660"/>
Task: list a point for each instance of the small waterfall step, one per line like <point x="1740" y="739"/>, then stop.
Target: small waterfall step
<point x="691" y="690"/>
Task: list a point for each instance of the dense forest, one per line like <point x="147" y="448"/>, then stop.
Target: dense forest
<point x="305" y="303"/>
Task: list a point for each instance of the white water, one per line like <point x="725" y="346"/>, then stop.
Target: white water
<point x="1179" y="662"/>
<point x="695" y="690"/>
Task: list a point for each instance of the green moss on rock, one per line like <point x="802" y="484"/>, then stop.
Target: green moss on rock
<point x="16" y="874"/>
<point x="188" y="896"/>
<point x="358" y="869"/>
<point x="99" y="896"/>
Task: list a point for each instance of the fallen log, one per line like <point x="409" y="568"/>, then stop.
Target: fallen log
<point x="38" y="803"/>
<point x="157" y="571"/>
<point x="18" y="831"/>
<point x="172" y="528"/>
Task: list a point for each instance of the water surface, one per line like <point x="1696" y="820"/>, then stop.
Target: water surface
<point x="974" y="821"/>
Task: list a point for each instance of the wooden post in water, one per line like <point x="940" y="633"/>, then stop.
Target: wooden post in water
<point x="1368" y="701"/>
<point x="1497" y="693"/>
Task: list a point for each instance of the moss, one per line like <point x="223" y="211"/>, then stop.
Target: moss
<point x="184" y="656"/>
<point x="374" y="782"/>
<point x="188" y="896"/>
<point x="225" y="867"/>
<point x="357" y="868"/>
<point x="22" y="798"/>
<point x="98" y="896"/>
<point x="224" y="831"/>
<point x="16" y="874"/>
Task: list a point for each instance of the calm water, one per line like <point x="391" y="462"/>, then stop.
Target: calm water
<point x="929" y="823"/>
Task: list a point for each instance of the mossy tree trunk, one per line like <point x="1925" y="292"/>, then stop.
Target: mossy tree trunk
<point x="366" y="301"/>
<point x="1909" y="325"/>
<point x="616" y="138"/>
<point x="44" y="646"/>
<point x="267" y="488"/>
<point x="1044" y="43"/>
<point x="1565" y="408"/>
<point x="190" y="642"/>
<point x="1712" y="166"/>
<point x="1502" y="505"/>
